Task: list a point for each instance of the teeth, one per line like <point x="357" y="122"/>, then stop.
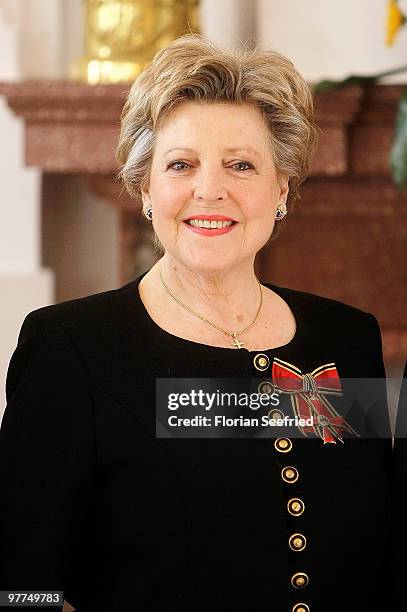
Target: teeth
<point x="209" y="224"/>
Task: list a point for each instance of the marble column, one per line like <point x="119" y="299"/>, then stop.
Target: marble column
<point x="229" y="23"/>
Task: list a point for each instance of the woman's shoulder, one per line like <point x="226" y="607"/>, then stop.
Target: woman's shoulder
<point x="350" y="335"/>
<point x="101" y="330"/>
<point x="317" y="307"/>
<point x="97" y="308"/>
<point x="325" y="319"/>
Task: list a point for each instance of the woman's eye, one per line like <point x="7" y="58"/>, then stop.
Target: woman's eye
<point x="177" y="165"/>
<point x="243" y="166"/>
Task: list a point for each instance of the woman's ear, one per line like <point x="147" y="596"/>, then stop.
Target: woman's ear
<point x="284" y="187"/>
<point x="145" y="197"/>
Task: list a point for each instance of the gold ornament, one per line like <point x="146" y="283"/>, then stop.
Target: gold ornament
<point x="122" y="36"/>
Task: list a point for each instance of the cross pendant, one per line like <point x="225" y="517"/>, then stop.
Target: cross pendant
<point x="237" y="343"/>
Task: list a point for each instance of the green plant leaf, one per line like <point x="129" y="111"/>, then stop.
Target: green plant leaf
<point x="398" y="152"/>
<point x="356" y="79"/>
<point x="327" y="85"/>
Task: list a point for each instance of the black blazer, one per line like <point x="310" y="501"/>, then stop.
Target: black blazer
<point x="95" y="505"/>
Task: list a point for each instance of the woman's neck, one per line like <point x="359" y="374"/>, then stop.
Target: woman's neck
<point x="230" y="296"/>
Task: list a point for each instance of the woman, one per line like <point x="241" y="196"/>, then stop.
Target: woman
<point x="215" y="145"/>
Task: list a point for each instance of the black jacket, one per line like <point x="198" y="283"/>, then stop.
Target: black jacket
<point x="95" y="505"/>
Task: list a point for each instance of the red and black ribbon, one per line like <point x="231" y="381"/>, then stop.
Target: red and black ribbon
<point x="309" y="398"/>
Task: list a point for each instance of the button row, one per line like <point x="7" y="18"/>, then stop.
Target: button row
<point x="295" y="506"/>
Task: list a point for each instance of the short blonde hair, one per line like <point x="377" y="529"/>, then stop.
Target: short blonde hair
<point x="193" y="69"/>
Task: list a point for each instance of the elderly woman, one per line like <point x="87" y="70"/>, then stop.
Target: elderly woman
<point x="215" y="145"/>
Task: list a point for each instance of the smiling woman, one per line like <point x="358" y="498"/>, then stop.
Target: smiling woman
<point x="192" y="69"/>
<point x="199" y="185"/>
<point x="95" y="501"/>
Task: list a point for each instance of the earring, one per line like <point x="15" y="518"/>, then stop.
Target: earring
<point x="148" y="213"/>
<point x="280" y="212"/>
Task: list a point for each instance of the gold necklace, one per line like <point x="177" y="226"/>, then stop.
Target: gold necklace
<point x="236" y="342"/>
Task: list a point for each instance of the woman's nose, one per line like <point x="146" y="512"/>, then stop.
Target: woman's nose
<point x="210" y="187"/>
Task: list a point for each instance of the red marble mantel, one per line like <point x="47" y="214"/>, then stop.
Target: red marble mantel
<point x="73" y="127"/>
<point x="347" y="237"/>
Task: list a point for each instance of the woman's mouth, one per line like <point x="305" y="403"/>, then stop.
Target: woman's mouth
<point x="210" y="225"/>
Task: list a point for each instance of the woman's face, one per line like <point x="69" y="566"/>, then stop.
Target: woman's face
<point x="213" y="162"/>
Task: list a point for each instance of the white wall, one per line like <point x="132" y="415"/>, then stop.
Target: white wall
<point x="331" y="39"/>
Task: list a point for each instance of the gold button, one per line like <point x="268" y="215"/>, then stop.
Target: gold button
<point x="301" y="607"/>
<point x="289" y="474"/>
<point x="295" y="506"/>
<point x="275" y="414"/>
<point x="299" y="580"/>
<point x="297" y="542"/>
<point x="261" y="362"/>
<point x="283" y="445"/>
<point x="265" y="387"/>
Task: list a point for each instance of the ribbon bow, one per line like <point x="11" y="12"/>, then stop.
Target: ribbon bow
<point x="308" y="398"/>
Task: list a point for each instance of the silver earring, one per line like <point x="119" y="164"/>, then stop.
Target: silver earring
<point x="148" y="213"/>
<point x="280" y="212"/>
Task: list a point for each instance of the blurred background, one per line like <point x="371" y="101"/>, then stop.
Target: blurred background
<point x="66" y="230"/>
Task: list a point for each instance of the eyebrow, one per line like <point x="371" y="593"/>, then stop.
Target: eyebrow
<point x="248" y="148"/>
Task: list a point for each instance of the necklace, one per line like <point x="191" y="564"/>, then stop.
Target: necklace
<point x="236" y="342"/>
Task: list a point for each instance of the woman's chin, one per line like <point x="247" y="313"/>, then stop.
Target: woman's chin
<point x="213" y="264"/>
